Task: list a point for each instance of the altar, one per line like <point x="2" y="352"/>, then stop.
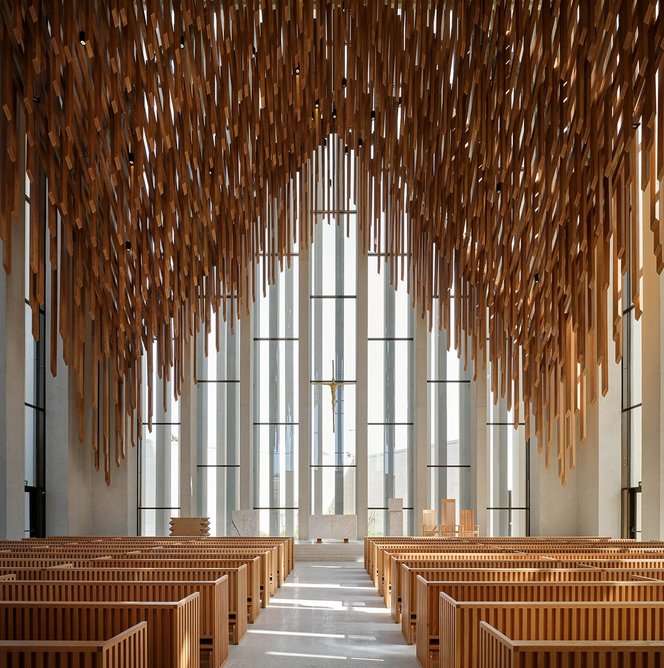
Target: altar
<point x="339" y="527"/>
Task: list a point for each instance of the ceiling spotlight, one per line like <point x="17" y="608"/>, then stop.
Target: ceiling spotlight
<point x="536" y="278"/>
<point x="360" y="143"/>
<point x="373" y="114"/>
<point x="346" y="150"/>
<point x="211" y="170"/>
<point x="636" y="123"/>
<point x="36" y="99"/>
<point x="130" y="157"/>
<point x="324" y="142"/>
<point x="254" y="51"/>
<point x="334" y="112"/>
<point x="81" y="37"/>
<point x="128" y="245"/>
<point x="499" y="186"/>
<point x="344" y="82"/>
<point x="182" y="41"/>
<point x="317" y="103"/>
<point x="400" y="99"/>
<point x="297" y="70"/>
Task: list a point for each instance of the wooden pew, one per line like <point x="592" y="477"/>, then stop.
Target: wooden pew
<point x="428" y="600"/>
<point x="499" y="651"/>
<point x="124" y="650"/>
<point x="460" y="624"/>
<point x="257" y="568"/>
<point x="213" y="602"/>
<point x="410" y="592"/>
<point x="237" y="585"/>
<point x="173" y="629"/>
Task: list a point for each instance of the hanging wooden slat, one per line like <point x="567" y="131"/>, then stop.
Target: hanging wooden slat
<point x="505" y="153"/>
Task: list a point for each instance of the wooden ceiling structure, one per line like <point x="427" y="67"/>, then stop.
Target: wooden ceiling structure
<point x="510" y="148"/>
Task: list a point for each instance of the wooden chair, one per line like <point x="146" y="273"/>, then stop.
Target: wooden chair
<point x="429" y="522"/>
<point x="467" y="526"/>
<point x="448" y="525"/>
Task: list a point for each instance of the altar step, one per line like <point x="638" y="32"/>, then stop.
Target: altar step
<point x="329" y="551"/>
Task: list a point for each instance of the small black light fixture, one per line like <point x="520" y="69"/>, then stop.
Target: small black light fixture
<point x="254" y="51"/>
<point x="82" y="38"/>
<point x="334" y="112"/>
<point x="317" y="103"/>
<point x="325" y="142"/>
<point x="400" y="100"/>
<point x="536" y="278"/>
<point x="182" y="41"/>
<point x="36" y="99"/>
<point x="211" y="171"/>
<point x="636" y="123"/>
<point x="297" y="70"/>
<point x="499" y="187"/>
<point x="344" y="82"/>
<point x="130" y="157"/>
<point x="346" y="150"/>
<point x="373" y="114"/>
<point x="360" y="143"/>
<point x="128" y="245"/>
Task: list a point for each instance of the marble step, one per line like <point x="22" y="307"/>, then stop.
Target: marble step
<point x="329" y="551"/>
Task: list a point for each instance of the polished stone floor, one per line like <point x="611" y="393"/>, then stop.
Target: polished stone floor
<point x="326" y="614"/>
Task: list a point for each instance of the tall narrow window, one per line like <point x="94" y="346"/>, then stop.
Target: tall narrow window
<point x="218" y="424"/>
<point x="159" y="457"/>
<point x="35" y="385"/>
<point x="333" y="292"/>
<point x="276" y="426"/>
<point x="449" y="415"/>
<point x="390" y="395"/>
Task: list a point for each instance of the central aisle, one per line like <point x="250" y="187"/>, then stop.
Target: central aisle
<point x="326" y="614"/>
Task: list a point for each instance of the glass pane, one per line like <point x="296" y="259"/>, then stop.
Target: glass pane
<point x="276" y="472"/>
<point x="31" y="429"/>
<point x="388" y="466"/>
<point x="218" y="421"/>
<point x="224" y="364"/>
<point x="277" y="522"/>
<point x="333" y="444"/>
<point x="390" y="311"/>
<point x="30" y="361"/>
<point x="333" y="490"/>
<point x="334" y="256"/>
<point x="449" y="423"/>
<point x="219" y="493"/>
<point x="157" y="522"/>
<point x="276" y="367"/>
<point x="333" y="334"/>
<point x="276" y="311"/>
<point x="160" y="466"/>
<point x="389" y="396"/>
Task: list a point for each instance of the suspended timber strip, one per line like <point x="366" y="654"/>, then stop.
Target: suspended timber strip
<point x="509" y="147"/>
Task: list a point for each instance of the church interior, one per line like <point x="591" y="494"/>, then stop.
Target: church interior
<point x="331" y="333"/>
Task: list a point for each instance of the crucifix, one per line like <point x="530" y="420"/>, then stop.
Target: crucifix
<point x="333" y="385"/>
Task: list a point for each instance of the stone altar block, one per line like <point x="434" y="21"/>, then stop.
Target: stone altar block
<point x="333" y="526"/>
<point x="245" y="523"/>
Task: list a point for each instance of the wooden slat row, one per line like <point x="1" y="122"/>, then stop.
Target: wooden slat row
<point x="509" y="153"/>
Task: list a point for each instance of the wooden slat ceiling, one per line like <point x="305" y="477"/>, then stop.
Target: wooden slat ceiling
<point x="181" y="140"/>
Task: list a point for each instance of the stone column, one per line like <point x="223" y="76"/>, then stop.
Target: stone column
<point x="246" y="413"/>
<point x="361" y="445"/>
<point x="652" y="509"/>
<point x="479" y="458"/>
<point x="422" y="479"/>
<point x="188" y="436"/>
<point x="12" y="368"/>
<point x="304" y="400"/>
